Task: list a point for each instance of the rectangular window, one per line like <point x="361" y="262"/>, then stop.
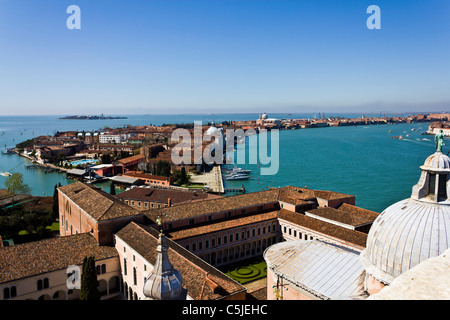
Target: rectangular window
<point x="442" y="193"/>
<point x="432" y="184"/>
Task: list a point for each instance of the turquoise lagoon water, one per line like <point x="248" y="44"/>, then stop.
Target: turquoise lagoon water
<point x="361" y="160"/>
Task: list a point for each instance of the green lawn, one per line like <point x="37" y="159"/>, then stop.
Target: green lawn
<point x="53" y="227"/>
<point x="247" y="270"/>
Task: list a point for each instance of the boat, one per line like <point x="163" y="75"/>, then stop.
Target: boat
<point x="8" y="151"/>
<point x="400" y="137"/>
<point x="236" y="169"/>
<point x="5" y="174"/>
<point x="237" y="176"/>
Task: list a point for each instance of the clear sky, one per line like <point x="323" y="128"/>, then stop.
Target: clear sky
<point x="223" y="56"/>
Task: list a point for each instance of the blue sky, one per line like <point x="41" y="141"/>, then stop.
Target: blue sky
<point x="223" y="56"/>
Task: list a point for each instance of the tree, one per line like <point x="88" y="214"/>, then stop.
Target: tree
<point x="14" y="184"/>
<point x="89" y="282"/>
<point x="112" y="188"/>
<point x="162" y="168"/>
<point x="183" y="176"/>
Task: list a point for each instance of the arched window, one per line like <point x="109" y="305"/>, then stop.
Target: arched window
<point x="39" y="285"/>
<point x="103" y="268"/>
<point x="134" y="276"/>
<point x="46" y="285"/>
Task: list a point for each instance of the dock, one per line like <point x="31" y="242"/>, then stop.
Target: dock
<point x="241" y="189"/>
<point x="45" y="168"/>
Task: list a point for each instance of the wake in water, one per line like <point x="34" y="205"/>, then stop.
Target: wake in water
<point x="419" y="141"/>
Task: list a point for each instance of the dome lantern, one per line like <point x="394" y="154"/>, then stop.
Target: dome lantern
<point x="164" y="282"/>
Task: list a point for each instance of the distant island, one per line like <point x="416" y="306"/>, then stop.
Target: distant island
<point x="102" y="117"/>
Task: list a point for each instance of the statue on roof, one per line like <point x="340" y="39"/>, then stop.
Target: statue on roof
<point x="439" y="140"/>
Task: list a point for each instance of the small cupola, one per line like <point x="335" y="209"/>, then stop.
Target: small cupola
<point x="433" y="184"/>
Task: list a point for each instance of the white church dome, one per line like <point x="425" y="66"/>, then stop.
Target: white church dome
<point x="404" y="235"/>
<point x="213" y="130"/>
<point x="412" y="230"/>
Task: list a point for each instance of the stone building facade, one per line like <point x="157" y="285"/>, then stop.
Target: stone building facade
<point x="201" y="236"/>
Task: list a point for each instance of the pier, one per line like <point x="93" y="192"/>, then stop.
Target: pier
<point x="241" y="189"/>
<point x="45" y="168"/>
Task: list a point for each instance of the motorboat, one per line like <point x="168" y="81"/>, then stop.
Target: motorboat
<point x="236" y="169"/>
<point x="5" y="174"/>
<point x="237" y="176"/>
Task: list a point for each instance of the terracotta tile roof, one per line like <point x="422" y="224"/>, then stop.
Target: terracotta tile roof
<point x="33" y="258"/>
<point x="162" y="195"/>
<point x="136" y="174"/>
<point x="352" y="236"/>
<point x="354" y="209"/>
<point x="96" y="202"/>
<point x="131" y="159"/>
<point x="203" y="281"/>
<point x="296" y="195"/>
<point x="352" y="217"/>
<point x="223" y="225"/>
<point x="184" y="211"/>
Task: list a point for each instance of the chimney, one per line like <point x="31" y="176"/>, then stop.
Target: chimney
<point x="169" y="202"/>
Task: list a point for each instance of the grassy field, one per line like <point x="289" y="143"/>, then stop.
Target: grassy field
<point x="53" y="227"/>
<point x="247" y="270"/>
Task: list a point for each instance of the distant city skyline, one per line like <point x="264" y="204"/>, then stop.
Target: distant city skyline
<point x="223" y="56"/>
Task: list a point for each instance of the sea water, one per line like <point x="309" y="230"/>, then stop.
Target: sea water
<point x="364" y="161"/>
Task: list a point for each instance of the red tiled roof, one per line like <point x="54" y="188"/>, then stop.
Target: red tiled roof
<point x="131" y="159"/>
<point x="162" y="195"/>
<point x="29" y="259"/>
<point x="96" y="202"/>
<point x="223" y="225"/>
<point x="352" y="236"/>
